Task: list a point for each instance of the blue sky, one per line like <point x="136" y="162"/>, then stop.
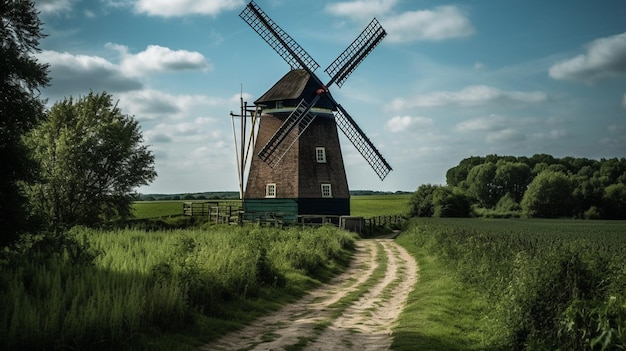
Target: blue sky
<point x="450" y="80"/>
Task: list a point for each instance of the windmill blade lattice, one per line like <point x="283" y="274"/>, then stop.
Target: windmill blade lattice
<point x="280" y="41"/>
<point x="348" y="61"/>
<point x="283" y="138"/>
<point x="361" y="142"/>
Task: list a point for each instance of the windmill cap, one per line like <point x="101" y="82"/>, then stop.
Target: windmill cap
<point x="294" y="86"/>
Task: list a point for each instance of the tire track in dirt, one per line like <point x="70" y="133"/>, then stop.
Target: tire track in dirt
<point x="355" y="310"/>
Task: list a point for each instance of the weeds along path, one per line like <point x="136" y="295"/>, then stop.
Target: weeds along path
<point x="354" y="311"/>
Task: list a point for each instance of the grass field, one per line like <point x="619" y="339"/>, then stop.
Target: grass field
<point x="515" y="284"/>
<point x="361" y="205"/>
<point x="484" y="284"/>
<point x="158" y="290"/>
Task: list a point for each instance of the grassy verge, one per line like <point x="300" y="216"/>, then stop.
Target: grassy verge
<point x="162" y="290"/>
<point x="515" y="284"/>
<point x="442" y="313"/>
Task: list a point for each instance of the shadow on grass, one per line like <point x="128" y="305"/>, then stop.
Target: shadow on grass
<point x="415" y="341"/>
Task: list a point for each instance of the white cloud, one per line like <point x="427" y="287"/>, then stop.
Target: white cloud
<point x="440" y="23"/>
<point x="443" y="22"/>
<point x="150" y="104"/>
<point x="362" y="8"/>
<point x="175" y="8"/>
<point x="492" y="122"/>
<point x="192" y="147"/>
<point x="553" y="134"/>
<point x="54" y="6"/>
<point x="605" y="57"/>
<point x="505" y="135"/>
<point x="74" y="73"/>
<point x="80" y="73"/>
<point x="404" y="123"/>
<point x="159" y="59"/>
<point x="469" y="96"/>
<point x="198" y="130"/>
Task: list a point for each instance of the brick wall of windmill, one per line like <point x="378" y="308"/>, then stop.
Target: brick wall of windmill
<point x="321" y="133"/>
<point x="298" y="174"/>
<point x="284" y="175"/>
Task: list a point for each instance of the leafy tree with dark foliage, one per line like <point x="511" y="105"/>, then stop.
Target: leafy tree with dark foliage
<point x="615" y="201"/>
<point x="92" y="158"/>
<point x="499" y="184"/>
<point x="421" y="203"/>
<point x="549" y="195"/>
<point x="20" y="108"/>
<point x="451" y="202"/>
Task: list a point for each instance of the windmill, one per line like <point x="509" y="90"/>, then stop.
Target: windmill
<point x="297" y="167"/>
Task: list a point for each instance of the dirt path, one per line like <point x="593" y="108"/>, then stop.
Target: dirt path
<point x="354" y="311"/>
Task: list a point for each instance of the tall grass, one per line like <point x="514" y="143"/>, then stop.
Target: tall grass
<point x="552" y="284"/>
<point x="140" y="284"/>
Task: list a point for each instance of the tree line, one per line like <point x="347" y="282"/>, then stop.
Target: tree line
<point x="539" y="186"/>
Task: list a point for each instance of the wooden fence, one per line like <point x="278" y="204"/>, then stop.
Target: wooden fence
<point x="213" y="210"/>
<point x="381" y="221"/>
<point x="229" y="214"/>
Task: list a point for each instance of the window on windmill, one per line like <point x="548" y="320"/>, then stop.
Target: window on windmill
<point x="279" y="104"/>
<point x="327" y="190"/>
<point x="270" y="190"/>
<point x="320" y="154"/>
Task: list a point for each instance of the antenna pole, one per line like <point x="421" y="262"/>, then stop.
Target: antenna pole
<point x="243" y="146"/>
<point x="232" y="119"/>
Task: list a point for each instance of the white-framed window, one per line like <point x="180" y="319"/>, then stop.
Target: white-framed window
<point x="270" y="190"/>
<point x="320" y="154"/>
<point x="279" y="104"/>
<point x="327" y="190"/>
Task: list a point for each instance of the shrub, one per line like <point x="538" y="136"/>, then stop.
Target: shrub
<point x="592" y="213"/>
<point x="451" y="202"/>
<point x="421" y="202"/>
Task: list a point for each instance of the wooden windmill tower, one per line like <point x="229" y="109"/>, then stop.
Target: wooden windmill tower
<point x="297" y="168"/>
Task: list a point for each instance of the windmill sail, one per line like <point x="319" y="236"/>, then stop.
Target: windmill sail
<point x="362" y="143"/>
<point x="283" y="138"/>
<point x="277" y="38"/>
<point x="348" y="61"/>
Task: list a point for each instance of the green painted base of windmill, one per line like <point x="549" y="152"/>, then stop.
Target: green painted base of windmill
<point x="293" y="210"/>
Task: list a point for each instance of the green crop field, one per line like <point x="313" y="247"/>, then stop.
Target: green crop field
<point x="515" y="284"/>
<point x="379" y="205"/>
<point x="361" y="205"/>
<point x="156" y="209"/>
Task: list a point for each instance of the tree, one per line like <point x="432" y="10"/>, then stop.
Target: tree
<point x="451" y="202"/>
<point x="549" y="195"/>
<point x="20" y="108"/>
<point x="92" y="157"/>
<point x="481" y="186"/>
<point x="512" y="178"/>
<point x="456" y="175"/>
<point x="615" y="201"/>
<point x="421" y="203"/>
